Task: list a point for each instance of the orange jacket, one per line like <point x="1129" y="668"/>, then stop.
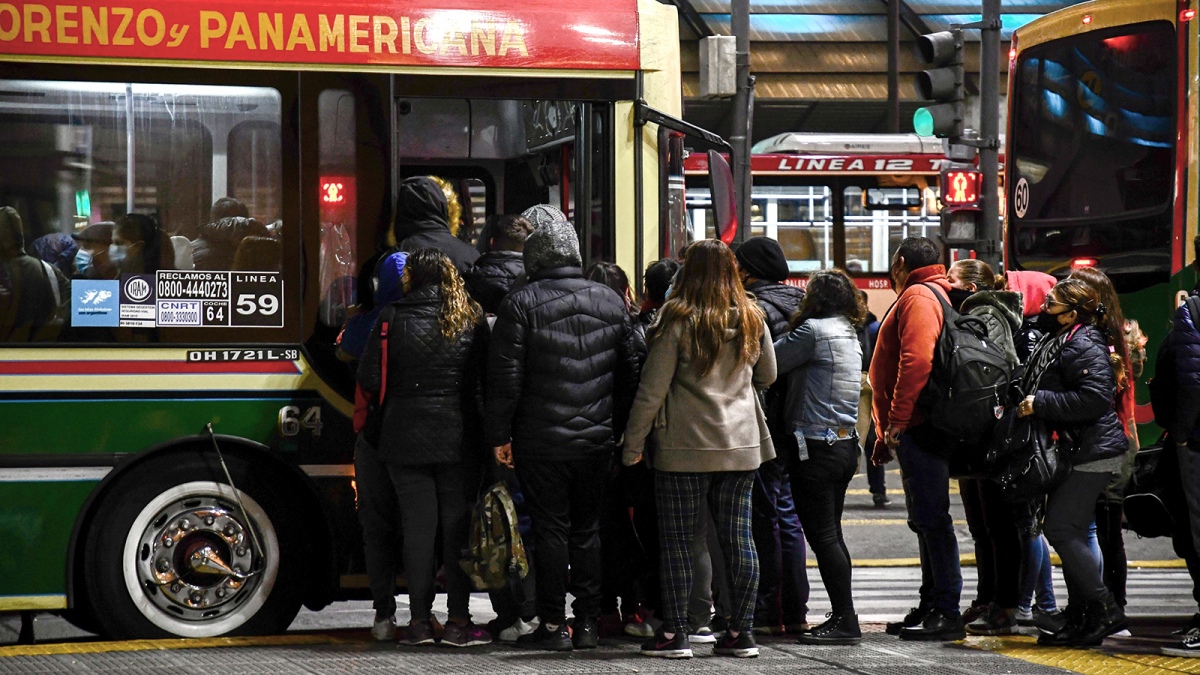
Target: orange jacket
<point x="903" y="355"/>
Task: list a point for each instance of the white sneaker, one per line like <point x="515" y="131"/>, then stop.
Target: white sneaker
<point x="384" y="630"/>
<point x="519" y="628"/>
<point x="701" y="635"/>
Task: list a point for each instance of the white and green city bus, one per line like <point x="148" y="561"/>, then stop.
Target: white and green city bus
<point x="118" y="507"/>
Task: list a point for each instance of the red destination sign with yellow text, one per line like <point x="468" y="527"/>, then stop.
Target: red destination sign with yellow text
<point x="455" y="33"/>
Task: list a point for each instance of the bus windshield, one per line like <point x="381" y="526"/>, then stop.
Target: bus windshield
<point x="1093" y="151"/>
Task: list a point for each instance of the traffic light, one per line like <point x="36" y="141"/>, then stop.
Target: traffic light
<point x="942" y="83"/>
<point x="962" y="209"/>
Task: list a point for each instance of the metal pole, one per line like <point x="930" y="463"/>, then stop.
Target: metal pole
<point x="989" y="249"/>
<point x="130" y="159"/>
<point x="893" y="83"/>
<point x="743" y="113"/>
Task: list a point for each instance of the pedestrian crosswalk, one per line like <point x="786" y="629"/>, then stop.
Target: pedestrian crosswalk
<point x="886" y="593"/>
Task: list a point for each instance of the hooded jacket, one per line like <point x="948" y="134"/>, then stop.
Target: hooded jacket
<point x="561" y="369"/>
<point x="493" y="276"/>
<point x="421" y="222"/>
<point x="1033" y="287"/>
<point x="388" y="289"/>
<point x="1076" y="398"/>
<point x="702" y="422"/>
<point x="1002" y="311"/>
<point x="431" y="408"/>
<point x="778" y="302"/>
<point x="904" y="349"/>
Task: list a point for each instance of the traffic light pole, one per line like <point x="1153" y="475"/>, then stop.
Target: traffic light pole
<point x="743" y="112"/>
<point x="989" y="247"/>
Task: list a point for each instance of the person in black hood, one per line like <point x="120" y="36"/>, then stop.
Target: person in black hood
<point x="783" y="585"/>
<point x="561" y="378"/>
<point x="496" y="271"/>
<point x="421" y="222"/>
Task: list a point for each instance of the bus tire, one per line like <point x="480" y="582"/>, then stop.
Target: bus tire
<point x="169" y="553"/>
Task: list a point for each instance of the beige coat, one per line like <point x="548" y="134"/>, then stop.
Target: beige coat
<point x="702" y="423"/>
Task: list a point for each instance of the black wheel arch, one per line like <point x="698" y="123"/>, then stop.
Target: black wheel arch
<point x="323" y="585"/>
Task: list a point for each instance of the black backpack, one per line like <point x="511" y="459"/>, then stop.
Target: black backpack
<point x="968" y="386"/>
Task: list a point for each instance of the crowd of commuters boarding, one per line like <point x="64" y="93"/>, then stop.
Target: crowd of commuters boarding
<point x="669" y="457"/>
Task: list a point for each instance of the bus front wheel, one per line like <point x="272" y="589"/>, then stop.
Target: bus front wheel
<point x="175" y="551"/>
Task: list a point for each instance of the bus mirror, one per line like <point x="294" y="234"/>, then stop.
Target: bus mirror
<point x="720" y="179"/>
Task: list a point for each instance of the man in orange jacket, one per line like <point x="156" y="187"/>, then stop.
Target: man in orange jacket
<point x="900" y="370"/>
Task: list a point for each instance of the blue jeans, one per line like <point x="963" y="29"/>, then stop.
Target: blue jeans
<point x="1036" y="575"/>
<point x="783" y="579"/>
<point x="926" y="477"/>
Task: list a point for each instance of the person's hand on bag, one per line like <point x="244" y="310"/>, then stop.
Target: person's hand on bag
<point x="504" y="454"/>
<point x="1025" y="407"/>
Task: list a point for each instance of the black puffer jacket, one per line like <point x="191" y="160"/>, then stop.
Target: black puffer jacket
<point x="779" y="302"/>
<point x="1076" y="398"/>
<point x="218" y="242"/>
<point x="493" y="277"/>
<point x="640" y="337"/>
<point x="561" y="369"/>
<point x="432" y="405"/>
<point x="421" y="216"/>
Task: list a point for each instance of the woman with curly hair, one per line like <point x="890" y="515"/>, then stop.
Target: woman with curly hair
<point x="710" y="357"/>
<point x="428" y="380"/>
<point x="822" y="359"/>
<point x="1080" y="368"/>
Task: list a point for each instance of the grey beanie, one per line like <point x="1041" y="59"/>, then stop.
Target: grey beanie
<point x="543" y="214"/>
<point x="553" y="244"/>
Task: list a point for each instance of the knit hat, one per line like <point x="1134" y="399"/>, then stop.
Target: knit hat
<point x="543" y="214"/>
<point x="553" y="244"/>
<point x="762" y="258"/>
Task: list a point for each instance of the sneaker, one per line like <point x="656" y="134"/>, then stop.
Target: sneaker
<point x="585" y="634"/>
<point x="742" y="646"/>
<point x="556" y="640"/>
<point x="975" y="611"/>
<point x="1023" y="617"/>
<point x="675" y="647"/>
<point x="914" y="618"/>
<point x="1049" y="623"/>
<point x="937" y="627"/>
<point x="1189" y="646"/>
<point x="384" y="630"/>
<point x="880" y="501"/>
<point x="838" y="629"/>
<point x="701" y="635"/>
<point x="1192" y="625"/>
<point x="995" y="621"/>
<point x="639" y="624"/>
<point x="611" y="624"/>
<point x="517" y="629"/>
<point x="417" y="633"/>
<point x="469" y="635"/>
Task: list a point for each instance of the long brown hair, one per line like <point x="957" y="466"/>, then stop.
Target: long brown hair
<point x="1114" y="317"/>
<point x="830" y="293"/>
<point x="706" y="289"/>
<point x="458" y="313"/>
<point x="1085" y="299"/>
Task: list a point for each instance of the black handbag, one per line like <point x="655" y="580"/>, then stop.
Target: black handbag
<point x="1034" y="469"/>
<point x="1147" y="495"/>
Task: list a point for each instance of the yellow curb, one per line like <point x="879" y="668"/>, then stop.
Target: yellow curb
<point x="155" y="645"/>
<point x="1084" y="661"/>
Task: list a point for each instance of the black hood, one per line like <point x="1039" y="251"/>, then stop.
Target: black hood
<point x="420" y="206"/>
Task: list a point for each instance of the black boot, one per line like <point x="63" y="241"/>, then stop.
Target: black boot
<point x="914" y="618"/>
<point x="1073" y="623"/>
<point x="1101" y="618"/>
<point x="938" y="626"/>
<point x="838" y="629"/>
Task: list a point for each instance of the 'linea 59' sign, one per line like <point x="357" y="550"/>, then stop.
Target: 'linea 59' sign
<point x="502" y="33"/>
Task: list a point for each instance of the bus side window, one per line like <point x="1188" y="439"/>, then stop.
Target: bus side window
<point x="878" y="219"/>
<point x="339" y="208"/>
<point x="133" y="206"/>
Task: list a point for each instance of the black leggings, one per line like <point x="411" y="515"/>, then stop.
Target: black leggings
<point x="819" y="487"/>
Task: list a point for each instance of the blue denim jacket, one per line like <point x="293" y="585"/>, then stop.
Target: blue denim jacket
<point x="822" y="360"/>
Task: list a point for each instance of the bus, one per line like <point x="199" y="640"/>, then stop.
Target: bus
<point x="1101" y="158"/>
<point x="176" y="451"/>
<point x="835" y="200"/>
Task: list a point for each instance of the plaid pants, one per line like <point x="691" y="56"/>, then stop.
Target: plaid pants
<point x="679" y="498"/>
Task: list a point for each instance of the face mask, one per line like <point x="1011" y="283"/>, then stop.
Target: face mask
<point x="83" y="262"/>
<point x="1047" y="323"/>
<point x="117" y="254"/>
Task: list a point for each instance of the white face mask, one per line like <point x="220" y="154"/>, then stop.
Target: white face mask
<point x="117" y="254"/>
